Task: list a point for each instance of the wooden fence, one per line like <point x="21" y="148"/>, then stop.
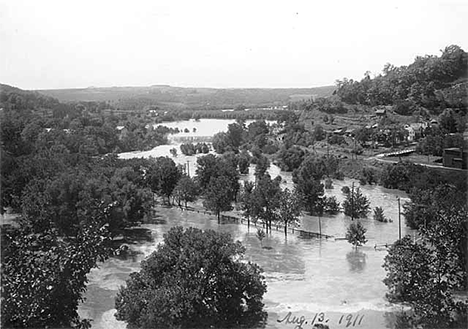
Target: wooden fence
<point x="259" y="223"/>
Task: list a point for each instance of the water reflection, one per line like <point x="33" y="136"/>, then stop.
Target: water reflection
<point x="356" y="260"/>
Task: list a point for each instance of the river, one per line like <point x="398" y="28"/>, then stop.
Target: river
<point x="304" y="276"/>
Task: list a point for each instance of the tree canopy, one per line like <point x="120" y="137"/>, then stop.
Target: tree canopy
<point x="194" y="279"/>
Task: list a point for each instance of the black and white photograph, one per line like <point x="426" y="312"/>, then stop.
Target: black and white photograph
<point x="206" y="164"/>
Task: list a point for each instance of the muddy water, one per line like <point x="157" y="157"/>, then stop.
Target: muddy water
<point x="304" y="276"/>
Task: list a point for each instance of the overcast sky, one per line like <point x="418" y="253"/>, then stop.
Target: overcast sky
<point x="73" y="44"/>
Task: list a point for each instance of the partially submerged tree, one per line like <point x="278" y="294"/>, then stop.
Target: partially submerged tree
<point x="289" y="208"/>
<point x="194" y="279"/>
<point x="356" y="204"/>
<point x="260" y="236"/>
<point x="186" y="190"/>
<point x="218" y="196"/>
<point x="379" y="215"/>
<point x="355" y="234"/>
<point x="430" y="273"/>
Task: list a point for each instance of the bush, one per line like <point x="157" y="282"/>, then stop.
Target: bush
<point x="331" y="205"/>
<point x="379" y="215"/>
<point x="328" y="184"/>
<point x="194" y="279"/>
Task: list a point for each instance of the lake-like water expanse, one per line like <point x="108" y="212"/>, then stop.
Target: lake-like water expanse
<point x="304" y="276"/>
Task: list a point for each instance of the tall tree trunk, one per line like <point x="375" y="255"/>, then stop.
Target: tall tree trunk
<point x="285" y="229"/>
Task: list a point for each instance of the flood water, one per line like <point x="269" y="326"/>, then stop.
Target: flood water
<point x="304" y="276"/>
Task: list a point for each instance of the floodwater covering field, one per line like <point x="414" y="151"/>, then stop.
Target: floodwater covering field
<point x="305" y="277"/>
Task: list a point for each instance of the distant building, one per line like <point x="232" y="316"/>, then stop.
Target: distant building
<point x="455" y="158"/>
<point x="340" y="131"/>
<point x="381" y="112"/>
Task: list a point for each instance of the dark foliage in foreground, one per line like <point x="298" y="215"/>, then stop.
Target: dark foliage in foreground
<point x="194" y="279"/>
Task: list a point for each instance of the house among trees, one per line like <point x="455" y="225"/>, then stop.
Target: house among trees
<point x="381" y="111"/>
<point x="415" y="130"/>
<point x="123" y="132"/>
<point x="455" y="158"/>
<point x="340" y="131"/>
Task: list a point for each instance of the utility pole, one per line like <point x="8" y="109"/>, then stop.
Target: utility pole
<point x="352" y="202"/>
<point x="188" y="169"/>
<point x="399" y="219"/>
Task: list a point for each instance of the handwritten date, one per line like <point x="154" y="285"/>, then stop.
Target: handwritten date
<point x="321" y="321"/>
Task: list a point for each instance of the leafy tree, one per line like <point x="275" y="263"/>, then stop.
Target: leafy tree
<point x="262" y="166"/>
<point x="163" y="176"/>
<point x="265" y="200"/>
<point x="236" y="134"/>
<point x="425" y="203"/>
<point x="291" y="158"/>
<point x="218" y="195"/>
<point x="331" y="205"/>
<point x="355" y="234"/>
<point x="210" y="166"/>
<point x="356" y="205"/>
<point x="318" y="133"/>
<point x="417" y="276"/>
<point x="244" y="162"/>
<point x="289" y="208"/>
<point x="44" y="274"/>
<point x="206" y="168"/>
<point x="186" y="190"/>
<point x="248" y="203"/>
<point x="194" y="279"/>
<point x="221" y="143"/>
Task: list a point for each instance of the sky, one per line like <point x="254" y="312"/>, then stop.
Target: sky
<point x="47" y="44"/>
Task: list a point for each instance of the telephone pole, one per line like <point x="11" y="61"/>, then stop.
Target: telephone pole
<point x="399" y="219"/>
<point x="352" y="202"/>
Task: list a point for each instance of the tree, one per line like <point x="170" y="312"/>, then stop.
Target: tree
<point x="379" y="215"/>
<point x="244" y="162"/>
<point x="194" y="279"/>
<point x="221" y="143"/>
<point x="291" y="158"/>
<point x="247" y="201"/>
<point x="186" y="190"/>
<point x="261" y="235"/>
<point x="262" y="166"/>
<point x="235" y="134"/>
<point x="355" y="234"/>
<point x="218" y="196"/>
<point x="265" y="200"/>
<point x="289" y="208"/>
<point x="163" y="176"/>
<point x="44" y="274"/>
<point x="356" y="205"/>
<point x="210" y="166"/>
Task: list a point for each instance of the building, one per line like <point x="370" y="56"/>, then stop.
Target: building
<point x="455" y="158"/>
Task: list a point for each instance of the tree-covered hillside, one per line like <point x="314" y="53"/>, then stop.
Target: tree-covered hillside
<point x="430" y="82"/>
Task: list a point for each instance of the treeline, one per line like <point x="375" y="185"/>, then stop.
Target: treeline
<point x="215" y="113"/>
<point x="33" y="121"/>
<point x="430" y="82"/>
